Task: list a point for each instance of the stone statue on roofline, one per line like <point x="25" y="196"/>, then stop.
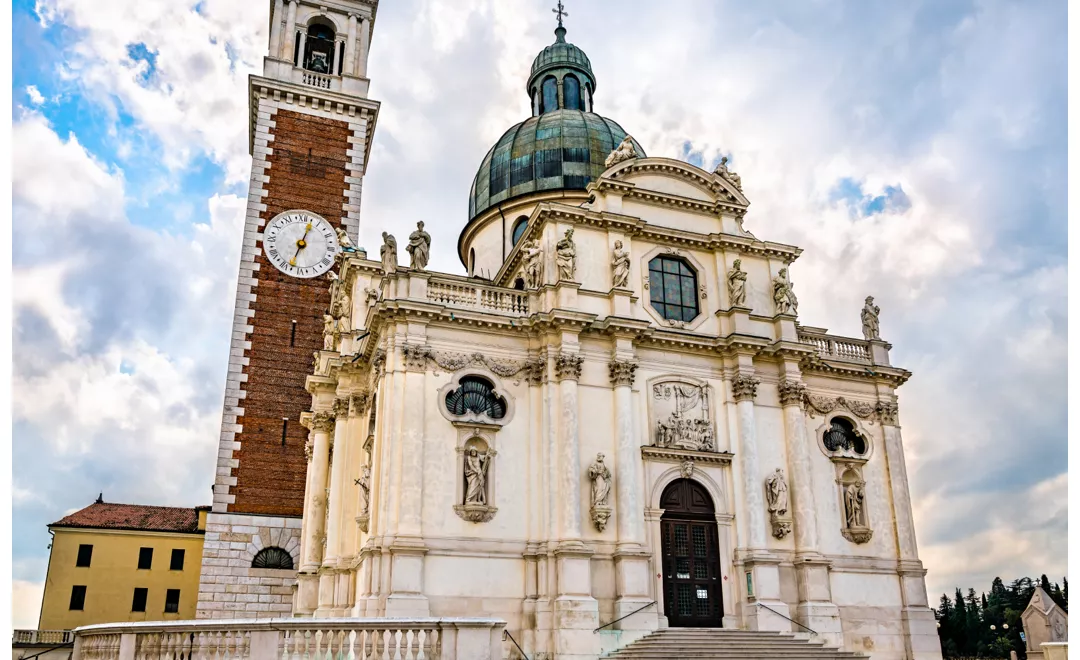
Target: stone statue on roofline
<point x="871" y="328"/>
<point x="534" y="264"/>
<point x="419" y="247"/>
<point x="566" y="256"/>
<point x="783" y="295"/>
<point x="620" y="266"/>
<point x="344" y="241"/>
<point x="625" y="151"/>
<point x="724" y="173"/>
<point x="388" y="253"/>
<point x="736" y="279"/>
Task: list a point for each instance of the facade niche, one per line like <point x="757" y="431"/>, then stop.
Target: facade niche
<point x="475" y="489"/>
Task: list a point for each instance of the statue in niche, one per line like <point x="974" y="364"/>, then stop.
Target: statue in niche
<point x="601" y="481"/>
<point x="419" y="247"/>
<point x="871" y="329"/>
<point x="476" y="468"/>
<point x="620" y="266"/>
<point x="388" y="252"/>
<point x="340" y="303"/>
<point x="724" y="173"/>
<point x="329" y="332"/>
<point x="566" y="256"/>
<point x="365" y="488"/>
<point x="344" y="241"/>
<point x="854" y="496"/>
<point x="625" y="151"/>
<point x="736" y="282"/>
<point x="534" y="263"/>
<point x="776" y="492"/>
<point x="687" y="424"/>
<point x="784" y="295"/>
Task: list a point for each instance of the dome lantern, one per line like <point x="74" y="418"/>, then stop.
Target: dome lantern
<point x="561" y="78"/>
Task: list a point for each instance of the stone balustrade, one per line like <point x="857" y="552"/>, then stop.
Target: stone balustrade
<point x="362" y="639"/>
<point x="43" y="637"/>
<point x="838" y="348"/>
<point x="463" y="293"/>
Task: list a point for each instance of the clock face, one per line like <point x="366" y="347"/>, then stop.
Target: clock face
<point x="300" y="243"/>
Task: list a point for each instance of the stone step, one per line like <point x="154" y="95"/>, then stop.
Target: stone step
<point x="717" y="644"/>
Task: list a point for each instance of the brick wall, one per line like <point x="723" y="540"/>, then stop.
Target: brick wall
<point x="306" y="170"/>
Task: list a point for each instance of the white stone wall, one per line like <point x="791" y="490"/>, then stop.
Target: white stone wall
<point x="229" y="588"/>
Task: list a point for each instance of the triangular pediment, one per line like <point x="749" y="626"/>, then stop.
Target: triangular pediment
<point x="677" y="180"/>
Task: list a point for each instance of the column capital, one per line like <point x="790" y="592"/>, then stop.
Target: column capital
<point x="415" y="357"/>
<point x="568" y="366"/>
<point x="319" y="421"/>
<point x="744" y="387"/>
<point x="358" y="403"/>
<point x="888" y="413"/>
<point x="622" y="372"/>
<point x="792" y="392"/>
<point x="341" y="407"/>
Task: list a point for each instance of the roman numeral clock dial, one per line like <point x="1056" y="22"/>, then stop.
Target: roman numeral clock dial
<point x="300" y="243"/>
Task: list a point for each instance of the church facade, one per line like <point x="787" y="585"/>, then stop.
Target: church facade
<point x="615" y="420"/>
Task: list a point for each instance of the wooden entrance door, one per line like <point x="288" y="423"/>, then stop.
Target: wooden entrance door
<point x="691" y="557"/>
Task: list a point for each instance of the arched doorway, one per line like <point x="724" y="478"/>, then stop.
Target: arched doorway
<point x="691" y="557"/>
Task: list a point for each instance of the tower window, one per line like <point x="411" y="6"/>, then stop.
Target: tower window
<point x="519" y="229"/>
<point x="319" y="49"/>
<point x="571" y="90"/>
<point x="673" y="288"/>
<point x="274" y="558"/>
<point x="551" y="95"/>
<point x="476" y="395"/>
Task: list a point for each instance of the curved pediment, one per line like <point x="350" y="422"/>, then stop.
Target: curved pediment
<point x="674" y="180"/>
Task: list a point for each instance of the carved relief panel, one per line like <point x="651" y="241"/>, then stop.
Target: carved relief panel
<point x="681" y="415"/>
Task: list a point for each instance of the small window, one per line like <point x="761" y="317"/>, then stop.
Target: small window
<point x="571" y="90"/>
<point x="519" y="229"/>
<point x="172" y="601"/>
<point x="551" y="95"/>
<point x="176" y="562"/>
<point x="842" y="436"/>
<point x="85" y="551"/>
<point x="146" y="558"/>
<point x="272" y="557"/>
<point x="476" y="395"/>
<point x="138" y="600"/>
<point x="78" y="597"/>
<point x="673" y="288"/>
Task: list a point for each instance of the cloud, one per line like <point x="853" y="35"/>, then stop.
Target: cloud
<point x="26" y="603"/>
<point x="34" y="95"/>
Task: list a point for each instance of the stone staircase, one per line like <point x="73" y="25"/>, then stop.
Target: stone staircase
<point x="718" y="644"/>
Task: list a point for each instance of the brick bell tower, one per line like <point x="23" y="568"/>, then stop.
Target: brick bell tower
<point x="309" y="137"/>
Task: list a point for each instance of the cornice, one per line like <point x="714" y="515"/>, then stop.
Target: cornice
<point x="678" y="456"/>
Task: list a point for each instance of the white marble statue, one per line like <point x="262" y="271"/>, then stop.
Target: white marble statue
<point x="476" y="467"/>
<point x="388" y="252"/>
<point x="871" y="329"/>
<point x="784" y="295"/>
<point x="854" y="494"/>
<point x="534" y="263"/>
<point x="625" y="151"/>
<point x="566" y="256"/>
<point x="736" y="282"/>
<point x="329" y="330"/>
<point x="419" y="247"/>
<point x="365" y="489"/>
<point x="724" y="173"/>
<point x="344" y="241"/>
<point x="600" y="476"/>
<point x="776" y="489"/>
<point x="620" y="266"/>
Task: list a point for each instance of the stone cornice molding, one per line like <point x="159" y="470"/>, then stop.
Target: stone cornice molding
<point x="893" y="376"/>
<point x="792" y="392"/>
<point x="621" y="372"/>
<point x="680" y="456"/>
<point x="568" y="366"/>
<point x="726" y="194"/>
<point x="744" y="388"/>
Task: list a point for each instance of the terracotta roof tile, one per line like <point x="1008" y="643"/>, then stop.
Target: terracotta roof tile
<point x="105" y="515"/>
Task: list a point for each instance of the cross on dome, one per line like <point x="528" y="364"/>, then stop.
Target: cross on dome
<point x="559" y="11"/>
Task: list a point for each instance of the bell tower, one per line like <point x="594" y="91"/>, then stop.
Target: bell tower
<point x="310" y="131"/>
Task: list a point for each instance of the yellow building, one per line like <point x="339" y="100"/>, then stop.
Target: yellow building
<point x="123" y="562"/>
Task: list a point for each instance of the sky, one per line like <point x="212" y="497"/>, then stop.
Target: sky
<point x="915" y="150"/>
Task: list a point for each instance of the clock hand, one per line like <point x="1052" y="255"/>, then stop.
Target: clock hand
<point x="300" y="245"/>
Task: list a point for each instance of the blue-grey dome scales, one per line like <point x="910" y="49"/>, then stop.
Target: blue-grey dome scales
<point x="562" y="146"/>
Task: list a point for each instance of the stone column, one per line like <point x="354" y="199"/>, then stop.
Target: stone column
<point x="350" y="48"/>
<point x="632" y="581"/>
<point x="334" y="531"/>
<point x="289" y="45"/>
<point x="365" y="45"/>
<point x="275" y="29"/>
<point x="920" y="627"/>
<point x="815" y="608"/>
<point x="321" y="425"/>
<point x="764" y="609"/>
<point x="576" y="611"/>
<point x="300" y="54"/>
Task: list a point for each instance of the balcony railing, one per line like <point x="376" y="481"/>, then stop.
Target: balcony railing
<point x="478" y="296"/>
<point x="43" y="637"/>
<point x="317" y="80"/>
<point x="362" y="639"/>
<point x="838" y="348"/>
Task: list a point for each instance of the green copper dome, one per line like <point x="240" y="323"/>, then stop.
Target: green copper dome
<point x="564" y="144"/>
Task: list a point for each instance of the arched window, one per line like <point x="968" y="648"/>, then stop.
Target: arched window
<point x="475" y="395"/>
<point x="571" y="90"/>
<point x="472" y="261"/>
<point x="273" y="557"/>
<point x="319" y="49"/>
<point x="842" y="436"/>
<point x="519" y="284"/>
<point x="673" y="288"/>
<point x="519" y="229"/>
<point x="551" y="95"/>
